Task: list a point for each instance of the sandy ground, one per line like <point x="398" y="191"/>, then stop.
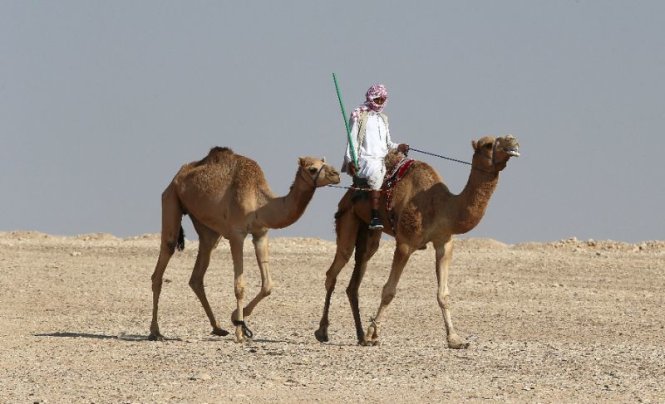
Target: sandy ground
<point x="568" y="321"/>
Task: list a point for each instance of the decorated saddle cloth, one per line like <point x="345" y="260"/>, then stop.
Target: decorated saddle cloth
<point x="390" y="181"/>
<point x="396" y="174"/>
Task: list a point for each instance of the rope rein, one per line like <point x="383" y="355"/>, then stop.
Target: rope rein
<point x="439" y="156"/>
<point x="410" y="149"/>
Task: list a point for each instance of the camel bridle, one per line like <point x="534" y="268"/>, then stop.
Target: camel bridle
<point x="318" y="173"/>
<point x="496" y="141"/>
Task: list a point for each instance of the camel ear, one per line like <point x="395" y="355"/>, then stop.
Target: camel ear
<point x="474" y="144"/>
<point x="301" y="161"/>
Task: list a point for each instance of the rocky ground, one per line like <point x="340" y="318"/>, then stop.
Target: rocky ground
<point x="568" y="321"/>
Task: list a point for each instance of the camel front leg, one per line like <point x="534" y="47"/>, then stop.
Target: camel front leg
<point x="261" y="249"/>
<point x="444" y="252"/>
<point x="347" y="228"/>
<point x="342" y="256"/>
<point x="239" y="287"/>
<point x="401" y="256"/>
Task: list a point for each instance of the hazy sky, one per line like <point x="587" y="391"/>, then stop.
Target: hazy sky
<point x="102" y="101"/>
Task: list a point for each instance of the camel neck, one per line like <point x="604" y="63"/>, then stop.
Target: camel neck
<point x="280" y="212"/>
<point x="471" y="203"/>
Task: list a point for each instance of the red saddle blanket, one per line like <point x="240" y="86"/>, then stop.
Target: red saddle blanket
<point x="393" y="178"/>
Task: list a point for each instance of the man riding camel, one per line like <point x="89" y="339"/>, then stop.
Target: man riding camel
<point x="372" y="142"/>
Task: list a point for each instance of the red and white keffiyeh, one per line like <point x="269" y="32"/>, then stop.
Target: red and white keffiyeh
<point x="374" y="92"/>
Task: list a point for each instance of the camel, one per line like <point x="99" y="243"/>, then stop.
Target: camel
<point x="226" y="195"/>
<point x="423" y="211"/>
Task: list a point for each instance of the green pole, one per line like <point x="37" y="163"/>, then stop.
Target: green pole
<point x="346" y="123"/>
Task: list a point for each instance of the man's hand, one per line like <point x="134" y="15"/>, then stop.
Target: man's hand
<point x="403" y="147"/>
<point x="351" y="169"/>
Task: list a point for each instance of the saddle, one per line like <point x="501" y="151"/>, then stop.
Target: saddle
<point x="396" y="174"/>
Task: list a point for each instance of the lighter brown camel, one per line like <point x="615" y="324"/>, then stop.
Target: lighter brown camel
<point x="424" y="211"/>
<point x="226" y="195"/>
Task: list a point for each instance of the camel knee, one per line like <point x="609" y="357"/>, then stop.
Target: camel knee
<point x="335" y="268"/>
<point x="157" y="278"/>
<point x="266" y="290"/>
<point x="388" y="295"/>
<point x="443" y="300"/>
<point x="331" y="278"/>
<point x="156" y="284"/>
<point x="344" y="255"/>
<point x="352" y="291"/>
<point x="170" y="246"/>
<point x="172" y="242"/>
<point x="331" y="281"/>
<point x="239" y="290"/>
<point x="373" y="246"/>
<point x="354" y="286"/>
<point x="195" y="282"/>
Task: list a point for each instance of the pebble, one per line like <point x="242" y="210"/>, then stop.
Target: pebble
<point x="201" y="376"/>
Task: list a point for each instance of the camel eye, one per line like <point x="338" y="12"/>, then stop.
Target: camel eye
<point x="488" y="146"/>
<point x="313" y="170"/>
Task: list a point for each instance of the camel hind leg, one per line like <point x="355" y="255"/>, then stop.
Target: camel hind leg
<point x="346" y="224"/>
<point x="367" y="243"/>
<point x="236" y="242"/>
<point x="172" y="237"/>
<point x="207" y="242"/>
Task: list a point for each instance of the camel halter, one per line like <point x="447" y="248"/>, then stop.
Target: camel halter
<point x="318" y="173"/>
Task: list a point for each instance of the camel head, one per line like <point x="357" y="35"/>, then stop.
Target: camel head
<point x="317" y="172"/>
<point x="393" y="158"/>
<point x="492" y="154"/>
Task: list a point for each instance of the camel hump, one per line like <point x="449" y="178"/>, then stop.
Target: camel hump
<point x="216" y="155"/>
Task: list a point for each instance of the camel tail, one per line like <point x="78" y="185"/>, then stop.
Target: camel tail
<point x="181" y="240"/>
<point x="173" y="236"/>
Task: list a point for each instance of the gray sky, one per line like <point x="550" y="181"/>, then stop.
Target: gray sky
<point x="102" y="101"/>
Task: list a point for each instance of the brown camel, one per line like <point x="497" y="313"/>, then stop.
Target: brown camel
<point x="424" y="211"/>
<point x="226" y="195"/>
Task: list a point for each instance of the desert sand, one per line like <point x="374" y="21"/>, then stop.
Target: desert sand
<point x="564" y="321"/>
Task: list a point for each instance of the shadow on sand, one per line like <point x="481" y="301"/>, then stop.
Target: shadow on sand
<point x="121" y="337"/>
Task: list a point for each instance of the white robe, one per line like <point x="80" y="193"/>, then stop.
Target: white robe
<point x="372" y="151"/>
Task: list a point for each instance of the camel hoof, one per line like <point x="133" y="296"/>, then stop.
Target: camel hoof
<point x="219" y="332"/>
<point x="455" y="342"/>
<point x="365" y="342"/>
<point x="155" y="337"/>
<point x="321" y="336"/>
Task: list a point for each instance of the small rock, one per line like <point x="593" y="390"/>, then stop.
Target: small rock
<point x="75" y="253"/>
<point x="201" y="376"/>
